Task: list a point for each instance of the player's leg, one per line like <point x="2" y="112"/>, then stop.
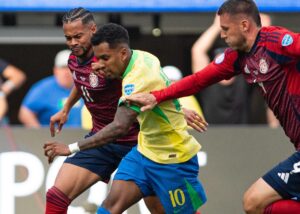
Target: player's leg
<point x="258" y="196"/>
<point x="70" y="182"/>
<point x="81" y="171"/>
<point x="282" y="182"/>
<point x="177" y="185"/>
<point x="129" y="185"/>
<point x="154" y="205"/>
<point x="122" y="195"/>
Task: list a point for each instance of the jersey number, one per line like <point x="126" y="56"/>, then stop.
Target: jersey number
<point x="86" y="94"/>
<point x="177" y="197"/>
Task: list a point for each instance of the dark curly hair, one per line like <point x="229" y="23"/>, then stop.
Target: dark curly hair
<point x="111" y="33"/>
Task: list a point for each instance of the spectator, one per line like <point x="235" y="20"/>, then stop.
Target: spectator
<point x="47" y="96"/>
<point x="11" y="79"/>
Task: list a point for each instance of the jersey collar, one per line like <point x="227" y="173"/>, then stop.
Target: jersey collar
<point x="131" y="62"/>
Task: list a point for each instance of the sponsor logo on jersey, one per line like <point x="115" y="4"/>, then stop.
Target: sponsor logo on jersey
<point x="128" y="89"/>
<point x="263" y="66"/>
<point x="94" y="81"/>
<point x="287" y="40"/>
<point x="246" y="69"/>
<point x="284" y="176"/>
<point x="220" y="58"/>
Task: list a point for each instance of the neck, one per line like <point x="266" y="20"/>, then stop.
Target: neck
<point x="251" y="39"/>
<point x="86" y="56"/>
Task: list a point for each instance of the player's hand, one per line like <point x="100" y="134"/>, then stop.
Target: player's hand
<point x="57" y="121"/>
<point x="194" y="120"/>
<point x="145" y="100"/>
<point x="53" y="149"/>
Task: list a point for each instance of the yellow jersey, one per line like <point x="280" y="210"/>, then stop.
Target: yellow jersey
<point x="163" y="135"/>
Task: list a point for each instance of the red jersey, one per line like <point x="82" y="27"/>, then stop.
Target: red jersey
<point x="273" y="63"/>
<point x="100" y="96"/>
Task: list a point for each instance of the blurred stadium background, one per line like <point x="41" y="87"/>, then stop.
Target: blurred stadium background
<point x="31" y="34"/>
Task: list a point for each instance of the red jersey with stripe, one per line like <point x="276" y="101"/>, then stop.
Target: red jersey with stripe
<point x="100" y="96"/>
<point x="273" y="63"/>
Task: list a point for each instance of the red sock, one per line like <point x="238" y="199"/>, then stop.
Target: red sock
<point x="56" y="201"/>
<point x="197" y="212"/>
<point x="283" y="207"/>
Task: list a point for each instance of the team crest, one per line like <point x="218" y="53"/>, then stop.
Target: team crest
<point x="287" y="40"/>
<point x="128" y="89"/>
<point x="263" y="66"/>
<point x="94" y="81"/>
<point x="220" y="58"/>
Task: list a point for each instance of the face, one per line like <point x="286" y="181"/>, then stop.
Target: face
<point x="232" y="31"/>
<point x="111" y="62"/>
<point x="78" y="37"/>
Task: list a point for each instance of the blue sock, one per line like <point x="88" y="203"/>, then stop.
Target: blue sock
<point x="102" y="210"/>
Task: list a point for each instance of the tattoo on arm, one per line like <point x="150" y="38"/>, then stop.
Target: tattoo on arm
<point x="123" y="120"/>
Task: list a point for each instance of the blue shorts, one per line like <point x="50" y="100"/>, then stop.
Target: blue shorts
<point x="176" y="185"/>
<point x="285" y="177"/>
<point x="102" y="161"/>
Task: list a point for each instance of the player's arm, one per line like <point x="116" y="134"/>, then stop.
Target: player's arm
<point x="121" y="124"/>
<point x="185" y="87"/>
<point x="61" y="117"/>
<point x="287" y="44"/>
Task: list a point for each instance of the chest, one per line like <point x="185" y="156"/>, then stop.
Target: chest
<point x="260" y="67"/>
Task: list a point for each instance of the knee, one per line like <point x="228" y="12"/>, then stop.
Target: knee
<point x="251" y="203"/>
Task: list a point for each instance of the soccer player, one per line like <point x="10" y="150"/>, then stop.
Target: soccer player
<point x="165" y="162"/>
<point x="101" y="97"/>
<point x="269" y="57"/>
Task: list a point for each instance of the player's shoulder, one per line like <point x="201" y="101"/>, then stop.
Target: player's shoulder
<point x="276" y="35"/>
<point x="228" y="55"/>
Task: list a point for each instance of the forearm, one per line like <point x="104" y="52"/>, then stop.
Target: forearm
<point x="189" y="85"/>
<point x="123" y="120"/>
<point x="72" y="99"/>
<point x="106" y="135"/>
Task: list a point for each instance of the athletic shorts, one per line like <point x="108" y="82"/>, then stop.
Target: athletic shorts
<point x="176" y="185"/>
<point x="285" y="177"/>
<point x="102" y="161"/>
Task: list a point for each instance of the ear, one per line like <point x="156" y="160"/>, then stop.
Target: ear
<point x="94" y="28"/>
<point x="244" y="25"/>
<point x="124" y="53"/>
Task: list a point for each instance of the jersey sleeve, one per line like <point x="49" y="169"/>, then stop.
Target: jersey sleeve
<point x="223" y="67"/>
<point x="284" y="42"/>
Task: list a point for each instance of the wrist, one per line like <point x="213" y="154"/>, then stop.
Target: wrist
<point x="74" y="147"/>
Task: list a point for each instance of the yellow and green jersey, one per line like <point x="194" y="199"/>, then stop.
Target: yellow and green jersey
<point x="163" y="135"/>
